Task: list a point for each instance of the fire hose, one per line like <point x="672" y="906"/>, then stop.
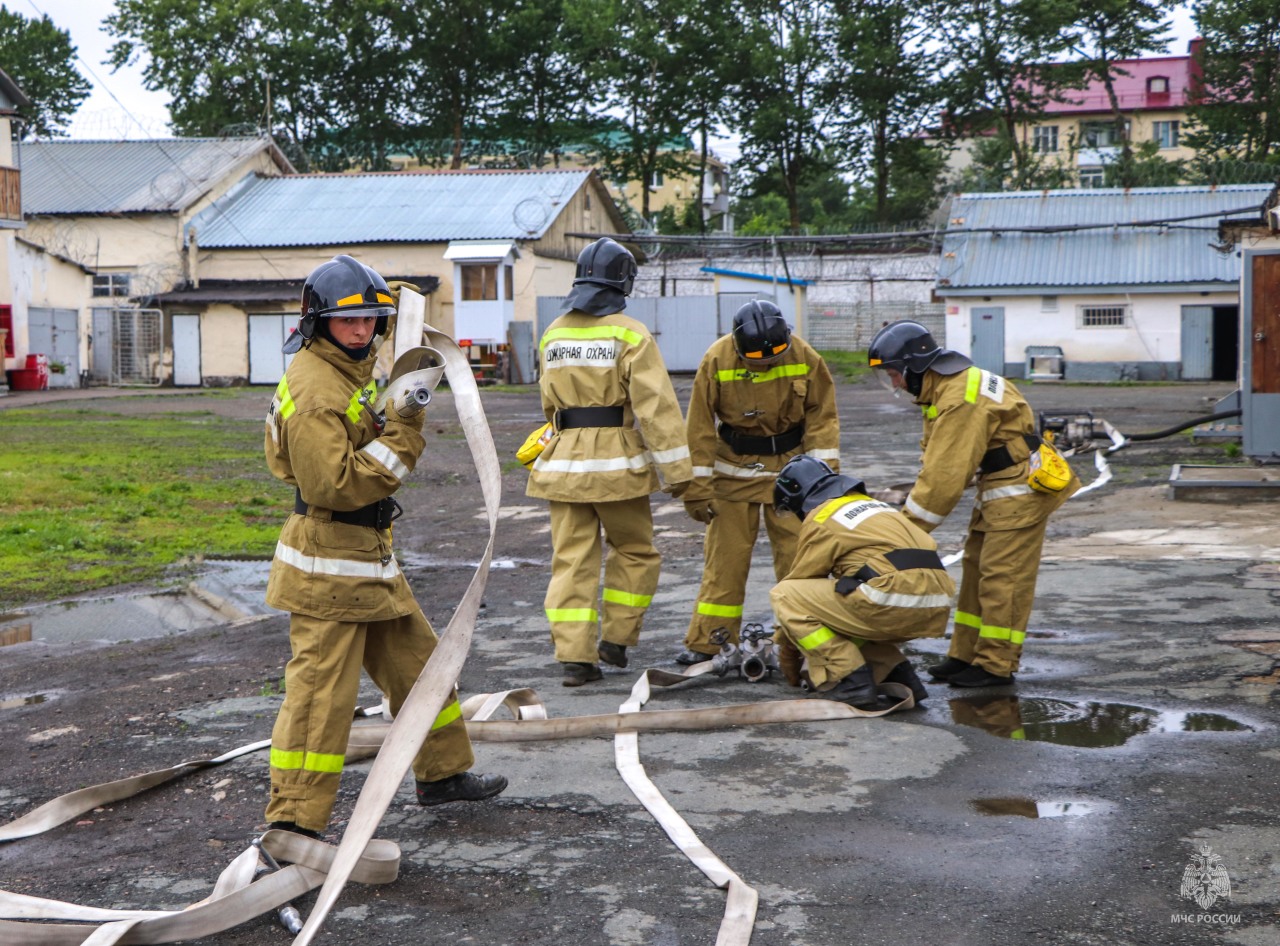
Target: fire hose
<point x="245" y="890"/>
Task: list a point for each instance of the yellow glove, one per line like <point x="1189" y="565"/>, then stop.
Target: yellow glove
<point x="397" y="284"/>
<point x="701" y="510"/>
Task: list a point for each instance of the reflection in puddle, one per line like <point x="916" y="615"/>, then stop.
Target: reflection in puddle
<point x="1029" y="808"/>
<point x="22" y="701"/>
<point x="1084" y="725"/>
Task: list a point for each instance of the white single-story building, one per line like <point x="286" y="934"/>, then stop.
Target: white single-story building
<point x="1124" y="284"/>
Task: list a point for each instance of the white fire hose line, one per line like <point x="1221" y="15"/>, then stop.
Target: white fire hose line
<point x="238" y="897"/>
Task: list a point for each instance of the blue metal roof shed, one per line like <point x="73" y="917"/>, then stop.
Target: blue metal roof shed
<point x="392" y="207"/>
<point x="1155" y="239"/>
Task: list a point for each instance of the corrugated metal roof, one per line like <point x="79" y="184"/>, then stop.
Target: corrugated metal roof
<point x="1175" y="253"/>
<point x="395" y="207"/>
<point x="151" y="175"/>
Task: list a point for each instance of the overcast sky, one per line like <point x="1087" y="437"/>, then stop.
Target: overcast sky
<point x="120" y="107"/>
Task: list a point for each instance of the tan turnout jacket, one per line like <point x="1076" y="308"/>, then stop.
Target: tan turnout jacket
<point x="323" y="441"/>
<point x="607" y="361"/>
<point x="796" y="390"/>
<point x="965" y="415"/>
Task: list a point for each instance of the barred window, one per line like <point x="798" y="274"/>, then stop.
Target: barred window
<point x="1104" y="316"/>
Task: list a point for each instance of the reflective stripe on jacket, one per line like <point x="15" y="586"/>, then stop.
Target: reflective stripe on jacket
<point x="965" y="415"/>
<point x="797" y="390"/>
<point x="607" y="361"/>
<point x="841" y="536"/>
<point x="323" y="441"/>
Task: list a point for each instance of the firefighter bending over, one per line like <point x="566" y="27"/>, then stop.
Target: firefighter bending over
<point x="977" y="424"/>
<point x="761" y="396"/>
<point x="609" y="399"/>
<point x="334" y="570"/>
<point x="864" y="581"/>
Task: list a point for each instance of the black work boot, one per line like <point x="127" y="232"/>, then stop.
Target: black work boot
<point x="575" y="675"/>
<point x="613" y="654"/>
<point x="905" y="674"/>
<point x="687" y="658"/>
<point x="290" y="826"/>
<point x="976" y="676"/>
<point x="948" y="668"/>
<point x="465" y="786"/>
<point x="858" y="689"/>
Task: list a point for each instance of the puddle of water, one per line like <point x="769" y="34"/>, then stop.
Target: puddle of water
<point x="1083" y="725"/>
<point x="22" y="701"/>
<point x="1030" y="808"/>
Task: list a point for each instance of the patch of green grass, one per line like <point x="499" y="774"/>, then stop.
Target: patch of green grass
<point x="846" y="365"/>
<point x="93" y="499"/>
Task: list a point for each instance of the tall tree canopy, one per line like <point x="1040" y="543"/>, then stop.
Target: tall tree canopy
<point x="1238" y="113"/>
<point x="40" y="58"/>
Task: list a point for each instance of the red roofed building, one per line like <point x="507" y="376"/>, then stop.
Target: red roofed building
<point x="1154" y="95"/>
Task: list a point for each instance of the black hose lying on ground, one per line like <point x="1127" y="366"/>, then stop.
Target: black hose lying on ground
<point x="1169" y="431"/>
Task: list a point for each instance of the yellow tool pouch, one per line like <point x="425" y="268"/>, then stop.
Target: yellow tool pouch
<point x="534" y="444"/>
<point x="1047" y="471"/>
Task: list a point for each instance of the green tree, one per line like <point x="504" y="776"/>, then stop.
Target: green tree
<point x="637" y="74"/>
<point x="1120" y="29"/>
<point x="885" y="92"/>
<point x="40" y="58"/>
<point x="780" y="107"/>
<point x="1000" y="69"/>
<point x="1236" y="114"/>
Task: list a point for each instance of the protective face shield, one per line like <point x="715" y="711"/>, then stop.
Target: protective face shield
<point x="760" y="334"/>
<point x="902" y="351"/>
<point x="341" y="287"/>
<point x="806" y="482"/>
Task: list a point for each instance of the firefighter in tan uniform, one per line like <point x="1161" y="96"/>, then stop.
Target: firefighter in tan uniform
<point x="977" y="424"/>
<point x="334" y="569"/>
<point x="607" y="394"/>
<point x="761" y="396"/>
<point x="864" y="581"/>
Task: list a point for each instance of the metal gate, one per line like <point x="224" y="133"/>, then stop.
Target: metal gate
<point x="137" y="346"/>
<point x="683" y="326"/>
<point x="56" y="334"/>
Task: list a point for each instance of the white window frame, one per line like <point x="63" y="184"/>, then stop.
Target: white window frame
<point x="1044" y="139"/>
<point x="111" y="285"/>
<point x="1092" y="177"/>
<point x="1102" y="316"/>
<point x="1167" y="133"/>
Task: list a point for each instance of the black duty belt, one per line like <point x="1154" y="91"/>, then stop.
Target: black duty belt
<point x="751" y="445"/>
<point x="377" y="515"/>
<point x="999" y="458"/>
<point x="571" y="417"/>
<point x="900" y="559"/>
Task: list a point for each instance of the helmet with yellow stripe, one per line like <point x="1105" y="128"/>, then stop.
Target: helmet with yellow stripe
<point x="760" y="333"/>
<point x="341" y="288"/>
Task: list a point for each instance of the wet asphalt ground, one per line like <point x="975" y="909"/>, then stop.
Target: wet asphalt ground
<point x="1067" y="810"/>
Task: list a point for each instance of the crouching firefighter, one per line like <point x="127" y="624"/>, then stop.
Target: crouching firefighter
<point x="977" y="426"/>
<point x="864" y="580"/>
<point x="334" y="571"/>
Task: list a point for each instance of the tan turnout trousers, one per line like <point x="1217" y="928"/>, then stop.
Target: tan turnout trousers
<point x="321" y="688"/>
<point x="730" y="539"/>
<point x="631" y="567"/>
<point x="997" y="591"/>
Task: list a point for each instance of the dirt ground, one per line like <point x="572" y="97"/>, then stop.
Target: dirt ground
<point x="931" y="826"/>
